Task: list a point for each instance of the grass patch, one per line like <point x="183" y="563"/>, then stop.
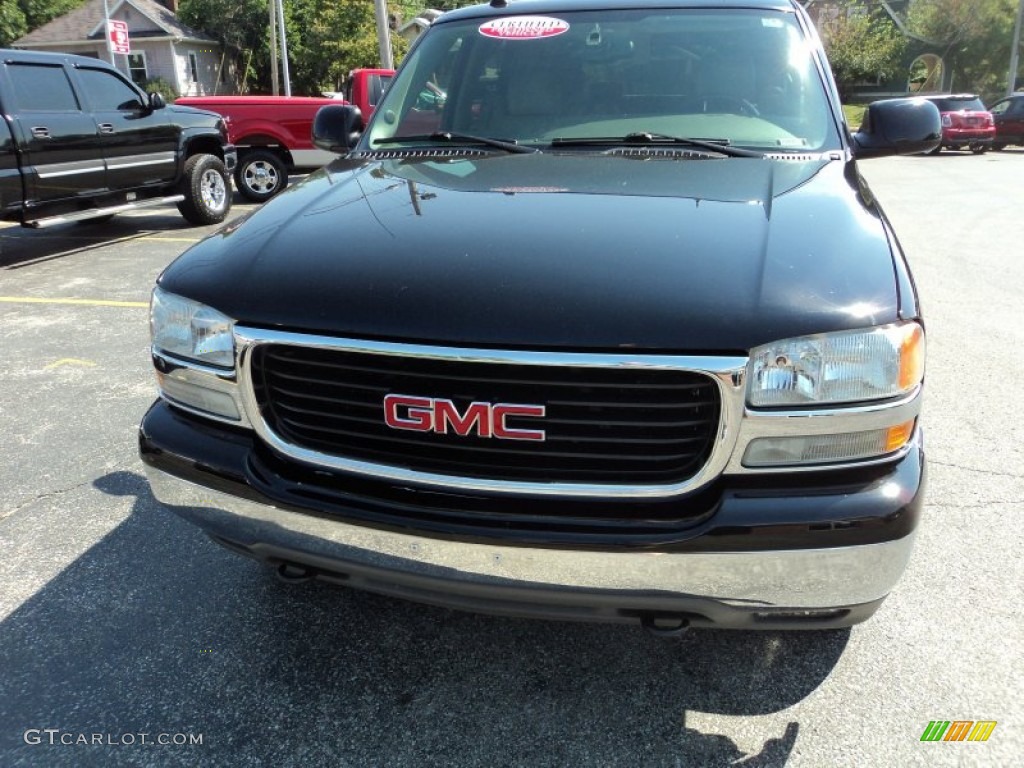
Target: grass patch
<point x="854" y="115"/>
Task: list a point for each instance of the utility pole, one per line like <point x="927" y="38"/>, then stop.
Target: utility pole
<point x="284" y="48"/>
<point x="1011" y="81"/>
<point x="272" y="5"/>
<point x="383" y="37"/>
<point x="106" y="32"/>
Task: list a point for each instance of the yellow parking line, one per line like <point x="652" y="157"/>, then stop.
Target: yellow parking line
<point x="81" y="302"/>
<point x="70" y="361"/>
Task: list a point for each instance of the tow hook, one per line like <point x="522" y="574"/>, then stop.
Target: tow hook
<point x="290" y="573"/>
<point x="665" y="626"/>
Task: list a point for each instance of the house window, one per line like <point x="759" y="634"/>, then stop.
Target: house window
<point x="137" y="68"/>
<point x="193" y="66"/>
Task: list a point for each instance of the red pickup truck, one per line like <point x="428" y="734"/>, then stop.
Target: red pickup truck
<point x="272" y="133"/>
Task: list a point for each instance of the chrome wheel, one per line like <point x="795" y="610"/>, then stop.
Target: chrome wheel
<point x="261" y="177"/>
<point x="214" y="191"/>
<point x="206" y="188"/>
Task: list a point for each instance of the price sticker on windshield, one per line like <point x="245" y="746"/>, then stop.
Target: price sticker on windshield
<point x="524" y="28"/>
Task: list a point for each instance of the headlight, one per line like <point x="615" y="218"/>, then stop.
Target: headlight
<point x="190" y="330"/>
<point x="843" y="367"/>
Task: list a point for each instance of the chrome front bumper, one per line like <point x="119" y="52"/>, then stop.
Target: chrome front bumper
<point x="755" y="589"/>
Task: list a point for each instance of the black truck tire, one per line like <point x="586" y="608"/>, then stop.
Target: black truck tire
<point x="207" y="189"/>
<point x="260" y="175"/>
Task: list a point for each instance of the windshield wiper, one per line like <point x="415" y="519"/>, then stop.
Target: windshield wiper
<point x="712" y="145"/>
<point x="509" y="145"/>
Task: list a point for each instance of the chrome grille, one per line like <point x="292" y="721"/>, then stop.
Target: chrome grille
<point x="622" y="425"/>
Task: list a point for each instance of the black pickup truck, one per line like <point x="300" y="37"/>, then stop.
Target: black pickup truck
<point x="79" y="141"/>
<point x="596" y="319"/>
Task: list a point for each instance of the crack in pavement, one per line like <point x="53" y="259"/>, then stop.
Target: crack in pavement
<point x="993" y="472"/>
<point x="975" y="505"/>
<point x="51" y="494"/>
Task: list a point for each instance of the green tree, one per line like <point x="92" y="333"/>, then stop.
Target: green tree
<point x="329" y="38"/>
<point x="12" y="22"/>
<point x="18" y="17"/>
<point x="862" y="45"/>
<point x="39" y="12"/>
<point x="242" y="26"/>
<point x="326" y="39"/>
<point x="975" y="37"/>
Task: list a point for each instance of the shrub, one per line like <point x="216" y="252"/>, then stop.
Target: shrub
<point x="162" y="87"/>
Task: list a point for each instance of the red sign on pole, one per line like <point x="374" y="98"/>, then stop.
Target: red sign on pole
<point x="117" y="36"/>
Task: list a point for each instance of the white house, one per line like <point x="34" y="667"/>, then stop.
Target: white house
<point x="413" y="29"/>
<point x="161" y="46"/>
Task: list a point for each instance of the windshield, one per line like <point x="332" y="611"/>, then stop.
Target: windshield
<point x="736" y="76"/>
<point x="968" y="103"/>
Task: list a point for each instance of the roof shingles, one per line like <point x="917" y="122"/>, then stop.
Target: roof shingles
<point x="79" y="24"/>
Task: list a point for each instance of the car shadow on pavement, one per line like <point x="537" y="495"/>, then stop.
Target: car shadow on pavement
<point x="156" y="629"/>
<point x="21" y="247"/>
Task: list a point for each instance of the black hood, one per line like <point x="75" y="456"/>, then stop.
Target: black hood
<point x="194" y="112"/>
<point x="562" y="251"/>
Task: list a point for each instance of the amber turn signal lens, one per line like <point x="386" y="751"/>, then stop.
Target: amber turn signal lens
<point x="896" y="437"/>
<point x="911" y="356"/>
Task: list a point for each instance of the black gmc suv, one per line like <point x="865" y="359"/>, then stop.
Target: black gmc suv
<point x="609" y="327"/>
<point x="80" y="141"/>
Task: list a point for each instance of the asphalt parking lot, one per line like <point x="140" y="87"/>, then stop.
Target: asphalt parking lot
<point x="117" y="619"/>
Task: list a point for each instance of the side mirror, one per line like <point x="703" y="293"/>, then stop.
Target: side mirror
<point x="898" y="127"/>
<point x="337" y="129"/>
<point x="156" y="101"/>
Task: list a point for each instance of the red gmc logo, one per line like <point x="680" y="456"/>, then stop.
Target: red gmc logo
<point x="431" y="414"/>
